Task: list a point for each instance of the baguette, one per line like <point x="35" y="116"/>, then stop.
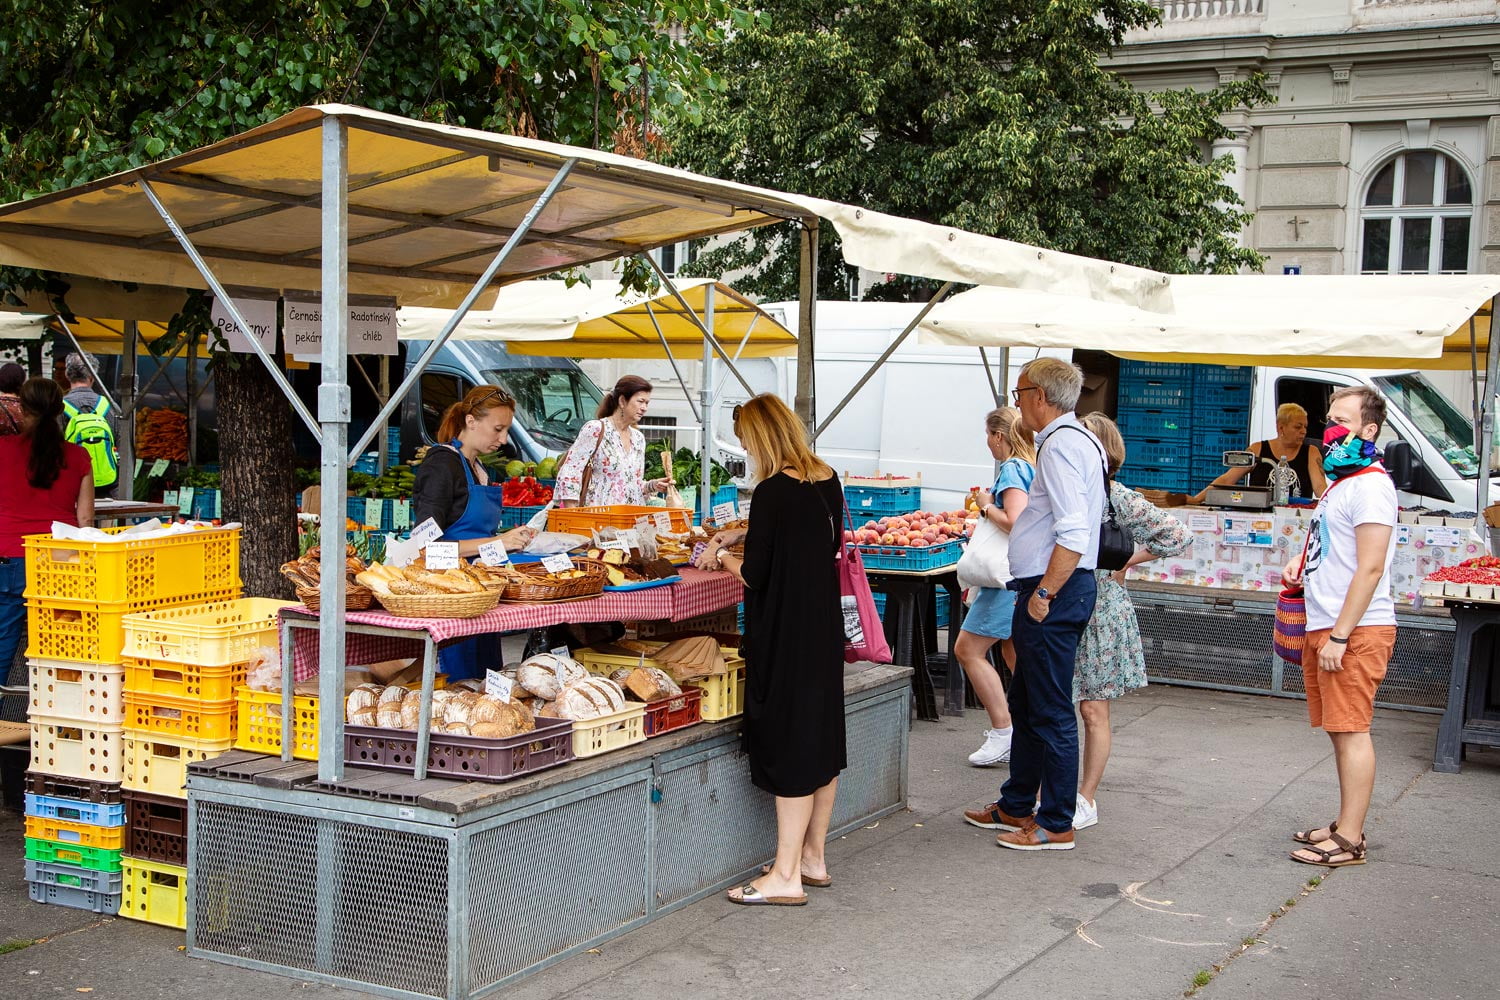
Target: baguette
<point x="446" y="584"/>
<point x="374" y="581"/>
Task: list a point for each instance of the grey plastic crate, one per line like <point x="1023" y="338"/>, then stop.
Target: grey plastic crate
<point x="71" y="896"/>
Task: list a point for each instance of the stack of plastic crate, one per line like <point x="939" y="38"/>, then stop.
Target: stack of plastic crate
<point x="1221" y="417"/>
<point x="1155" y="412"/>
<point x="182" y="668"/>
<point x="79" y="594"/>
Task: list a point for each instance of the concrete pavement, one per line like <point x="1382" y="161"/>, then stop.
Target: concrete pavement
<point x="1184" y="878"/>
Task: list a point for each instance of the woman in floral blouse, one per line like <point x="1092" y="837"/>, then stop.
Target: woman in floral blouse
<point x="1110" y="659"/>
<point x="614" y="449"/>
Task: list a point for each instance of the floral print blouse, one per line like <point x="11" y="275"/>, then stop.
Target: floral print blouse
<point x="619" y="473"/>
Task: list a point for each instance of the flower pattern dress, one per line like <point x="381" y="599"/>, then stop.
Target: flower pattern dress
<point x="1110" y="659"/>
<point x="619" y="474"/>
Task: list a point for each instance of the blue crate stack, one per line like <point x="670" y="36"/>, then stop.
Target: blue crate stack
<point x="1177" y="419"/>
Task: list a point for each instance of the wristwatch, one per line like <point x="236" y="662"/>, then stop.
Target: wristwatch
<point x="1045" y="594"/>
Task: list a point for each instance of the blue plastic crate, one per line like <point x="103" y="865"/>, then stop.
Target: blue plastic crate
<point x="393" y="446"/>
<point x="515" y="517"/>
<point x="910" y="557"/>
<point x="1155" y="393"/>
<point x="369" y="464"/>
<point x="1159" y="454"/>
<point x="72" y="896"/>
<point x="205" y="504"/>
<point x="1153" y="424"/>
<point x="1214" y="442"/>
<point x="883" y="501"/>
<point x="86" y="879"/>
<point x="942" y="606"/>
<point x="724" y="494"/>
<point x="1156" y="369"/>
<point x="75" y="810"/>
<point x="1211" y="396"/>
<point x="1223" y="374"/>
<point x="1143" y="477"/>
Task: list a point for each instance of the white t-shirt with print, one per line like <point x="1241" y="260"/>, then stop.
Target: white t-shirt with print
<point x="1368" y="498"/>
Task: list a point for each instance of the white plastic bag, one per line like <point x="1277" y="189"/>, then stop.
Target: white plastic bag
<point x="986" y="558"/>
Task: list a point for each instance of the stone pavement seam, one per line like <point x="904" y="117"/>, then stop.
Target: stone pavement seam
<point x="1218" y="968"/>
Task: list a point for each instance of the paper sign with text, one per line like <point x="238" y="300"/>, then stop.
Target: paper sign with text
<point x="158" y="467"/>
<point x="724" y="511"/>
<point x="442" y="555"/>
<point x="497" y="685"/>
<point x="427" y="531"/>
<point x="259" y="313"/>
<point x="663" y="521"/>
<point x="560" y="563"/>
<point x="493" y="554"/>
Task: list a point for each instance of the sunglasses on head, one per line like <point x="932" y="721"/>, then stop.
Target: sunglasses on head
<point x="734" y="414"/>
<point x="504" y="399"/>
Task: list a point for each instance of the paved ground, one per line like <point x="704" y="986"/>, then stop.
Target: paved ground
<point x="1184" y="877"/>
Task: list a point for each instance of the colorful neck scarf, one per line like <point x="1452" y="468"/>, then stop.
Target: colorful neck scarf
<point x="1345" y="452"/>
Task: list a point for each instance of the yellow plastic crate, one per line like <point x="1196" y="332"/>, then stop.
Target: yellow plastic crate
<point x="154" y="892"/>
<point x="84" y="633"/>
<point x="159" y="765"/>
<point x="89" y="692"/>
<point x="610" y="732"/>
<point x="138" y="573"/>
<point x="259" y="728"/>
<point x="71" y="749"/>
<point x="583" y="520"/>
<point x="182" y="680"/>
<point x="205" y="635"/>
<point x="62" y="831"/>
<point x="723" y="694"/>
<point x="177" y="718"/>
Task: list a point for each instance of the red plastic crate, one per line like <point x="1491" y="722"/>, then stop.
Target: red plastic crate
<point x="677" y="712"/>
<point x="156" y="828"/>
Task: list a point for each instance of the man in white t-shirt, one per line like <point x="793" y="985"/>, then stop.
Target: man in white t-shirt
<point x="1345" y="573"/>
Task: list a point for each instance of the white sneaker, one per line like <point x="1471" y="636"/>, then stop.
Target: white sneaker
<point x="1084" y="814"/>
<point x="996" y="749"/>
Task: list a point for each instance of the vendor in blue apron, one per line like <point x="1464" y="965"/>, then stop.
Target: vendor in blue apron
<point x="453" y="488"/>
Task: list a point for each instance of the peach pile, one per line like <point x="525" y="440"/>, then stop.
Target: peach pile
<point x="918" y="529"/>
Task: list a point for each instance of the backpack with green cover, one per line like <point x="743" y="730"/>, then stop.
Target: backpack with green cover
<point x="90" y="430"/>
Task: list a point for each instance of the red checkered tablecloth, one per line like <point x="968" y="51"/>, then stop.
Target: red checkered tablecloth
<point x="699" y="593"/>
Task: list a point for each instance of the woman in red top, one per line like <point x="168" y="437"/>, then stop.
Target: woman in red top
<point x="42" y="479"/>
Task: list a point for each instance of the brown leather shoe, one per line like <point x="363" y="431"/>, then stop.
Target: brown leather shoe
<point x="1036" y="838"/>
<point x="992" y="817"/>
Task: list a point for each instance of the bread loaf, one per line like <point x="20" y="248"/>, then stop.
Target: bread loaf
<point x="394" y="693"/>
<point x="467" y="684"/>
<point x="589" y="698"/>
<point x="363" y="717"/>
<point x="619" y="676"/>
<point x="456" y="729"/>
<point x="539" y="674"/>
<point x="389" y="716"/>
<point x="486" y="709"/>
<point x="364" y="696"/>
<point x="650" y="684"/>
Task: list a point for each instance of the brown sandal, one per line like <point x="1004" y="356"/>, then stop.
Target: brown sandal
<point x="1305" y="836"/>
<point x="1325" y="857"/>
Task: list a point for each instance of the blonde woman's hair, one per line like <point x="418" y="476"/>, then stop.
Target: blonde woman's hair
<point x="1108" y="434"/>
<point x="1286" y="411"/>
<point x="1007" y="421"/>
<point x="775" y="439"/>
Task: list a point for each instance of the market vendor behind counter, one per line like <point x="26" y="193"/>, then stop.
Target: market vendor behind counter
<point x="1290" y="446"/>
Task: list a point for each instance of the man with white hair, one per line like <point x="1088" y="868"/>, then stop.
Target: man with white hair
<point x="1054" y="548"/>
<point x="91" y="422"/>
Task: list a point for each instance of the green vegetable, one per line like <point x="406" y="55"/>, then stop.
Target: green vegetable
<point x="687" y="468"/>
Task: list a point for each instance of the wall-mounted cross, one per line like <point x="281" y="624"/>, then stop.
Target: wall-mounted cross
<point x="1296" y="223"/>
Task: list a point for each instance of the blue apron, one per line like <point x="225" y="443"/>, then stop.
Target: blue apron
<point x="481" y="519"/>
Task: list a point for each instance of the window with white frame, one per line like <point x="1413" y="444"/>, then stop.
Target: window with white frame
<point x="674" y="256"/>
<point x="1417" y="216"/>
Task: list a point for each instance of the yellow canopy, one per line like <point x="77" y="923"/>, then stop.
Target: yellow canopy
<point x="548" y="317"/>
<point x="1345" y="321"/>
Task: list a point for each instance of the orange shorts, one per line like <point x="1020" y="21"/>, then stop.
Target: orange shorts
<point x="1343" y="701"/>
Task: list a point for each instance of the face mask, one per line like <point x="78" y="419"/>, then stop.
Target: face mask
<point x="1345" y="452"/>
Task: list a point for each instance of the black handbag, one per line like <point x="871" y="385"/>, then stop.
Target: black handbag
<point x="1116" y="546"/>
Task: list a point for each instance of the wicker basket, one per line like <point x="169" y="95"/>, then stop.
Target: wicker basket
<point x="441" y="605"/>
<point x="356" y="597"/>
<point x="539" y="588"/>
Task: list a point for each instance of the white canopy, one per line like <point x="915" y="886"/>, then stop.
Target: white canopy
<point x="1354" y="321"/>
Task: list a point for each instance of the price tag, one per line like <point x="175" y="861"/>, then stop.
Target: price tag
<point x="1403" y="534"/>
<point x="158" y="467"/>
<point x="724" y="511"/>
<point x="372" y="512"/>
<point x="493" y="554"/>
<point x="663" y="522"/>
<point x="560" y="563"/>
<point x="615" y="543"/>
<point x="442" y="555"/>
<point x="218" y="503"/>
<point x="562" y="651"/>
<point x="630" y="537"/>
<point x="169" y="498"/>
<point x="185" y="499"/>
<point x="744" y="510"/>
<point x="138" y="463"/>
<point x="427" y="531"/>
<point x="1444" y="537"/>
<point x="401" y="515"/>
<point x="1203" y="522"/>
<point x="497" y="685"/>
<point x="558" y="670"/>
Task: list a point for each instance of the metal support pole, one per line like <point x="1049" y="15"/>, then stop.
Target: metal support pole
<point x="744" y="341"/>
<point x="1486" y="429"/>
<point x="516" y="239"/>
<point x="333" y="414"/>
<point x="192" y="397"/>
<point x="865" y="378"/>
<point x="385" y="428"/>
<point x="705" y="483"/>
<point x="229" y="304"/>
<point x="989" y="377"/>
<point x="713" y="342"/>
<point x="651" y="314"/>
<point x="807" y="308"/>
<point x="126" y="442"/>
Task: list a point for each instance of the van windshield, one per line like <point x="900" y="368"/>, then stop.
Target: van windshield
<point x="1439" y="421"/>
<point x="551" y="403"/>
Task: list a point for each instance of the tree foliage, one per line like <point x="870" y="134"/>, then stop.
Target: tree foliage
<point x="991" y="115"/>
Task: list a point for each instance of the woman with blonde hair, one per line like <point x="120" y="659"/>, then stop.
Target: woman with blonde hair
<point x="793" y="643"/>
<point x="993" y="610"/>
<point x="1289" y="446"/>
<point x="1110" y="660"/>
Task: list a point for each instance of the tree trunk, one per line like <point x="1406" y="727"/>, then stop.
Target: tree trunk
<point x="256" y="458"/>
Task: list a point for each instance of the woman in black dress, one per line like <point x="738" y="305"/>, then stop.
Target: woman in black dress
<point x="793" y="644"/>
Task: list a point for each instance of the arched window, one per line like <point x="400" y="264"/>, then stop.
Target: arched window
<point x="1416" y="217"/>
